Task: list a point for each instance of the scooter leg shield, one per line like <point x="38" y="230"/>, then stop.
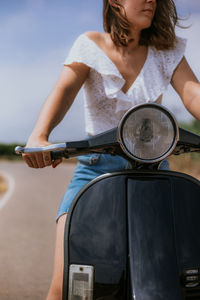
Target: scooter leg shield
<point x="140" y="233"/>
<point x="164" y="237"/>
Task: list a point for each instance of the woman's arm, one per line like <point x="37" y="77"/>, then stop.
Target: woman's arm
<point x="53" y="110"/>
<point x="187" y="86"/>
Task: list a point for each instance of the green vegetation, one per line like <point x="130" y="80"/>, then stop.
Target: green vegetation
<point x="8" y="151"/>
<point x="194" y="126"/>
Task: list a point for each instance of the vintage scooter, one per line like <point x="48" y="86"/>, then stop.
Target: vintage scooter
<point x="134" y="234"/>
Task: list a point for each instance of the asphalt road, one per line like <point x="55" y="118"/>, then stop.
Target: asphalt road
<point x="27" y="229"/>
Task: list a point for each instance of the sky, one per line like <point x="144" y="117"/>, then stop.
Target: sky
<point x="35" y="37"/>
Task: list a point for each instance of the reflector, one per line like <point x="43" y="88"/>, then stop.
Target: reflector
<point x="81" y="282"/>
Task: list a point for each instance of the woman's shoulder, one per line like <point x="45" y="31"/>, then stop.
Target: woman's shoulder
<point x="99" y="38"/>
<point x="95" y="35"/>
<point x="83" y="41"/>
<point x="88" y="49"/>
<point x="172" y="54"/>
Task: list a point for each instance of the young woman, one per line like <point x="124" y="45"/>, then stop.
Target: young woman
<point x="133" y="62"/>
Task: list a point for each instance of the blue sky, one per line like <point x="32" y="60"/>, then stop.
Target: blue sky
<point x="35" y="37"/>
<point x="33" y="27"/>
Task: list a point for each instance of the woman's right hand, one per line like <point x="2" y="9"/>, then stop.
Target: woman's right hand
<point x="40" y="159"/>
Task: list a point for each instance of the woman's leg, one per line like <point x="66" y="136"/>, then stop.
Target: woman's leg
<point x="55" y="291"/>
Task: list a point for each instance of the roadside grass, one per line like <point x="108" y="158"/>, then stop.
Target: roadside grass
<point x="7" y="151"/>
<point x="3" y="185"/>
<point x="186" y="163"/>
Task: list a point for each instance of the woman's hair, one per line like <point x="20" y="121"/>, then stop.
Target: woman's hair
<point x="161" y="33"/>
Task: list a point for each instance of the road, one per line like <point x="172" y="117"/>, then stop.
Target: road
<point x="27" y="229"/>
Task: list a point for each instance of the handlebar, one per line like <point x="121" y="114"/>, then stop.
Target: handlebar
<point x="49" y="148"/>
<point x="107" y="142"/>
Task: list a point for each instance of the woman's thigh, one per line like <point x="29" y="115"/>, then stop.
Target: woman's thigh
<point x="89" y="167"/>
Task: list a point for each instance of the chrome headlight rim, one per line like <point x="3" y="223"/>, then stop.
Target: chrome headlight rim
<point x="154" y="106"/>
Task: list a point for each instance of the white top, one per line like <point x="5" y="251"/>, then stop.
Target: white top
<point x="105" y="102"/>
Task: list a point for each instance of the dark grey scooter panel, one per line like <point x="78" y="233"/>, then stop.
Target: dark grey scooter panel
<point x="98" y="235"/>
<point x="106" y="224"/>
<point x="154" y="271"/>
<point x="164" y="236"/>
<point x="187" y="234"/>
<point x="187" y="222"/>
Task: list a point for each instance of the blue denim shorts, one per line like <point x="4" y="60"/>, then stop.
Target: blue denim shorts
<point x="89" y="167"/>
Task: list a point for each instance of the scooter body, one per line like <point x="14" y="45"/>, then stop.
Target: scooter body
<point x="140" y="233"/>
<point x="134" y="235"/>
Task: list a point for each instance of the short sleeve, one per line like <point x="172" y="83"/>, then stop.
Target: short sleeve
<point x="179" y="50"/>
<point x="159" y="70"/>
<point x="172" y="58"/>
<point x="80" y="52"/>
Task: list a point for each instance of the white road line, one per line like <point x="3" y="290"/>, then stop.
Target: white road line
<point x="11" y="186"/>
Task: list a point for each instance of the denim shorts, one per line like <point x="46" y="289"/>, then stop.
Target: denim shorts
<point x="89" y="167"/>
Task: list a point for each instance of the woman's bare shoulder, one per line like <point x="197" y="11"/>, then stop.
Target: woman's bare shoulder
<point x="98" y="37"/>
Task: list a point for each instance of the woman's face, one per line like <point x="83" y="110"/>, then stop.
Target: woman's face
<point x="139" y="13"/>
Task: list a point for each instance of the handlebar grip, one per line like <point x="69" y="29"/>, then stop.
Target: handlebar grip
<point x="57" y="155"/>
<point x="50" y="148"/>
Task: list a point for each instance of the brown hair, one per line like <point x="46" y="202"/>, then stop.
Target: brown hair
<point x="161" y="33"/>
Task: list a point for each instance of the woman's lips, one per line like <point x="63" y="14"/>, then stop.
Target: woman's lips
<point x="148" y="11"/>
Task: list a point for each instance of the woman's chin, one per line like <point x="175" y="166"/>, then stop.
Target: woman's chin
<point x="144" y="24"/>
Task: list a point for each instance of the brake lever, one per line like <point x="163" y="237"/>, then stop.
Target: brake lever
<point x="59" y="154"/>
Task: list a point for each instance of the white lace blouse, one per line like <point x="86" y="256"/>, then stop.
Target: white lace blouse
<point x="104" y="101"/>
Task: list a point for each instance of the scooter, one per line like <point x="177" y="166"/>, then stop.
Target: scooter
<point x="134" y="234"/>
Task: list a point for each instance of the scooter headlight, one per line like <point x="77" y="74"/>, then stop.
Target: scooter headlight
<point x="148" y="133"/>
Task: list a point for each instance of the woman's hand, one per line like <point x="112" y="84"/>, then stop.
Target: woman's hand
<point x="40" y="159"/>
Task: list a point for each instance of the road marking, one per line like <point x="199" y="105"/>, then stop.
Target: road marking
<point x="11" y="186"/>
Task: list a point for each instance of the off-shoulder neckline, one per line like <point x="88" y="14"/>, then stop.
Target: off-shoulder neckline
<point x="116" y="68"/>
